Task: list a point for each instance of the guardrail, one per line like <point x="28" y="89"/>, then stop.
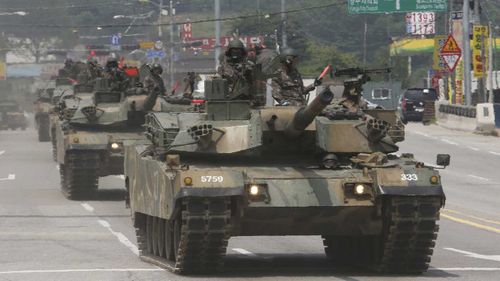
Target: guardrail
<point x="459" y="110"/>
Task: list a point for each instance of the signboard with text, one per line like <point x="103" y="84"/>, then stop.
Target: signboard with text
<point x="479" y="50"/>
<point x="209" y="43"/>
<point x="421" y="23"/>
<point x="395" y="6"/>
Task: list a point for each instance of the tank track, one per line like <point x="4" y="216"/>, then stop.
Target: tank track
<point x="407" y="242"/>
<point x="410" y="234"/>
<point x="54" y="145"/>
<point x="203" y="230"/>
<point x="79" y="175"/>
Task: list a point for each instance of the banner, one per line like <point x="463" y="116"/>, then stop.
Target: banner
<point x="438" y="63"/>
<point x="480" y="50"/>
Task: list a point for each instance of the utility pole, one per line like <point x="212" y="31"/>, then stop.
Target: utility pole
<point x="160" y="33"/>
<point x="284" y="38"/>
<point x="217" y="34"/>
<point x="364" y="42"/>
<point x="490" y="62"/>
<point x="171" y="12"/>
<point x="466" y="53"/>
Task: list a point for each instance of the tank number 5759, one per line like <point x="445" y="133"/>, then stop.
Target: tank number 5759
<point x="409" y="177"/>
<point x="212" y="178"/>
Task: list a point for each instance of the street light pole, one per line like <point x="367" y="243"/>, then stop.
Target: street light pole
<point x="217" y="34"/>
<point x="284" y="38"/>
<point x="171" y="12"/>
<point x="466" y="53"/>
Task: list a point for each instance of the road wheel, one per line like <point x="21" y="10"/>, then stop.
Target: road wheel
<point x="169" y="241"/>
<point x="149" y="234"/>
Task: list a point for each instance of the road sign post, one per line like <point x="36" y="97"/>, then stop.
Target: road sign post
<point x="451" y="53"/>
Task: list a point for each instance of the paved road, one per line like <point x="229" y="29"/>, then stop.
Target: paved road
<point x="46" y="237"/>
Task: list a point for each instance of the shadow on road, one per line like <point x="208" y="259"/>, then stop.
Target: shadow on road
<point x="293" y="264"/>
<point x="110" y="195"/>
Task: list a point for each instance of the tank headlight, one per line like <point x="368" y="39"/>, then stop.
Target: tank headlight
<point x="115" y="145"/>
<point x="434" y="179"/>
<point x="188" y="181"/>
<point x="359" y="189"/>
<point x="254" y="190"/>
<point x="76" y="140"/>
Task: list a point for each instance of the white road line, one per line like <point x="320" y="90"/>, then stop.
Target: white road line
<point x="122" y="238"/>
<point x="57" y="167"/>
<point x="244" y="252"/>
<point x="10" y="177"/>
<point x="2" y="152"/>
<point x="475" y="255"/>
<point x="87" y="207"/>
<point x="478" y="177"/>
<point x="122" y="177"/>
<point x="448" y="141"/>
<point x="422" y="134"/>
<point x="81" y="270"/>
<point x="494" y="153"/>
<point x="465" y="269"/>
<point x="473" y="148"/>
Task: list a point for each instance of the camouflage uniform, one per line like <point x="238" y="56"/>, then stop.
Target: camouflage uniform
<point x="288" y="88"/>
<point x="236" y="70"/>
<point x="287" y="85"/>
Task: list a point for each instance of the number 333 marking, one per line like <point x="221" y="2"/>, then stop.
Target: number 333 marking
<point x="409" y="177"/>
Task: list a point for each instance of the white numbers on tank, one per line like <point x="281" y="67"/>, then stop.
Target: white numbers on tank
<point x="409" y="177"/>
<point x="212" y="178"/>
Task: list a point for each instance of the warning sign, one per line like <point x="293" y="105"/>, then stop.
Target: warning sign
<point x="451" y="53"/>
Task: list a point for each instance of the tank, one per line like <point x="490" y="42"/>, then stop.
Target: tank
<point x="243" y="170"/>
<point x="93" y="130"/>
<point x="11" y="116"/>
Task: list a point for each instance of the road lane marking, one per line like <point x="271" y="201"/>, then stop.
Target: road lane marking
<point x="2" y="152"/>
<point x="10" y="177"/>
<point x="475" y="255"/>
<point x="422" y="134"/>
<point x="472" y="217"/>
<point x="122" y="238"/>
<point x="494" y="153"/>
<point x="244" y="252"/>
<point x="81" y="270"/>
<point x="87" y="207"/>
<point x="465" y="269"/>
<point x="473" y="148"/>
<point x="57" y="167"/>
<point x="448" y="141"/>
<point x="478" y="177"/>
<point x="471" y="223"/>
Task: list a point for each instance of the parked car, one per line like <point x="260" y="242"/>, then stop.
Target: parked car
<point x="412" y="101"/>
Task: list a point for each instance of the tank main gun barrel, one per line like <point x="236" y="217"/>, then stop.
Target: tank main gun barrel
<point x="304" y="116"/>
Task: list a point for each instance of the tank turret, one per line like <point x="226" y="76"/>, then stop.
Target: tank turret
<point x="305" y="116"/>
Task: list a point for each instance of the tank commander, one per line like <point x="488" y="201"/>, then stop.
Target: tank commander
<point x="287" y="85"/>
<point x="237" y="70"/>
<point x="154" y="82"/>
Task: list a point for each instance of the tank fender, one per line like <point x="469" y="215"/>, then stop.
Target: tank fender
<point x="408" y="181"/>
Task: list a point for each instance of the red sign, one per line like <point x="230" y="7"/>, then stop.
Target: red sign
<point x="451" y="53"/>
<point x="209" y="43"/>
<point x="187" y="31"/>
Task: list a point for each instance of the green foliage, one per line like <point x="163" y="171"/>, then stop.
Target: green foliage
<point x="317" y="56"/>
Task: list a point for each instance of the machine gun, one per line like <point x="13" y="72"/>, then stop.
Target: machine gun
<point x="355" y="79"/>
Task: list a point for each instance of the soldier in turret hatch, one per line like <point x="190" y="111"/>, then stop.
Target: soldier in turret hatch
<point x="237" y="70"/>
<point x="154" y="82"/>
<point x="287" y="85"/>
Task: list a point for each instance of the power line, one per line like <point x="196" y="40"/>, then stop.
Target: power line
<point x="255" y="15"/>
<point x="68" y="6"/>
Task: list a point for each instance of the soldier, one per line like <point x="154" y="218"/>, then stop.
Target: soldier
<point x="114" y="74"/>
<point x="190" y="81"/>
<point x="94" y="70"/>
<point x="154" y="82"/>
<point x="236" y="68"/>
<point x="287" y="85"/>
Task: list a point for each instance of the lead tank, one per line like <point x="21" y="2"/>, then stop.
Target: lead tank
<point x="92" y="132"/>
<point x="243" y="170"/>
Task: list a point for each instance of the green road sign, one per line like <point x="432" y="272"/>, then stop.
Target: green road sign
<point x="395" y="6"/>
